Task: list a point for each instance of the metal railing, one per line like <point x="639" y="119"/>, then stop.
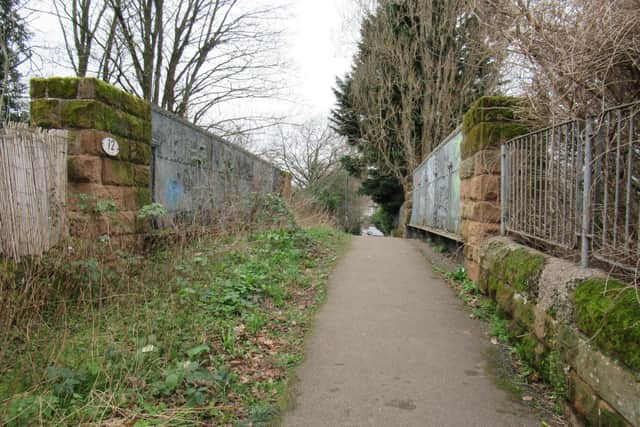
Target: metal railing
<point x="577" y="185"/>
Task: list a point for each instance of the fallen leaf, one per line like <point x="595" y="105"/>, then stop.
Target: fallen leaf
<point x="527" y="398"/>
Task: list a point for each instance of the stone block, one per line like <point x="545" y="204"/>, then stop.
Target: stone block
<point x="120" y="99"/>
<point x="143" y="196"/>
<point x="539" y="326"/>
<point x="129" y="198"/>
<point x="477" y="230"/>
<point x="467" y="168"/>
<point x="523" y="311"/>
<point x="487" y="162"/>
<point x="614" y="383"/>
<point x="480" y="188"/>
<point x="37" y="88"/>
<point x="485" y="136"/>
<point x="46" y="113"/>
<point x="89" y="141"/>
<point x="115" y="172"/>
<point x="481" y="211"/>
<point x="607" y="416"/>
<point x="91" y="114"/>
<point x="97" y="192"/>
<point x="140" y="153"/>
<point x="492" y="109"/>
<point x="142" y="175"/>
<point x="583" y="398"/>
<point x="84" y="169"/>
<point x="115" y="224"/>
<point x="473" y="270"/>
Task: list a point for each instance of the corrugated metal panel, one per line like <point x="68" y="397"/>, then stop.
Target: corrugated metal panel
<point x="436" y="189"/>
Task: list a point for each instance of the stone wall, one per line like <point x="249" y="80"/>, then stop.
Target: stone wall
<point x="193" y="173"/>
<point x="488" y="123"/>
<point x="93" y="110"/>
<point x="578" y="328"/>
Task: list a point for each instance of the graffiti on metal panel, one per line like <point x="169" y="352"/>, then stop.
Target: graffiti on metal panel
<point x="436" y="190"/>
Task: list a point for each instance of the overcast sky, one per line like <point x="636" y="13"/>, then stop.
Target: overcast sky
<point x="318" y="46"/>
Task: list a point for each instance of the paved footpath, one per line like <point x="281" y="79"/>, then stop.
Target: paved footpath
<point x="394" y="347"/>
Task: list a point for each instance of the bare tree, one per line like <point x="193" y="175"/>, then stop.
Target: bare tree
<point x="420" y="65"/>
<point x="186" y="56"/>
<point x="309" y="152"/>
<point x="578" y="56"/>
<point x="80" y="22"/>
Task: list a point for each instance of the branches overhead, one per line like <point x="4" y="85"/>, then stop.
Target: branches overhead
<point x="419" y="65"/>
<point x="187" y="56"/>
<point x="580" y="56"/>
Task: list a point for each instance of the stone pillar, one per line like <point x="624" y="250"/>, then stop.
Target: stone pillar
<point x="92" y="110"/>
<point x="490" y="122"/>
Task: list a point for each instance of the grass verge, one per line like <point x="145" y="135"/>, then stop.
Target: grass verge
<point x="202" y="335"/>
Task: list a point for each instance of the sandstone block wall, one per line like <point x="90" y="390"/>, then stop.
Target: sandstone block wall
<point x="577" y="327"/>
<point x="490" y="122"/>
<point x="93" y="110"/>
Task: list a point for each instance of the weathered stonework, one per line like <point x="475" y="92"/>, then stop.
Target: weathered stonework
<point x="490" y="122"/>
<point x="538" y="292"/>
<point x="93" y="110"/>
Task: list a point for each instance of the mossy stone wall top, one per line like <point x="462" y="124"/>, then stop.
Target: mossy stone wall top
<point x="90" y="88"/>
<point x="491" y="121"/>
<point x="609" y="311"/>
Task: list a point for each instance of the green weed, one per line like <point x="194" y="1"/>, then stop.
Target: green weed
<point x="165" y="347"/>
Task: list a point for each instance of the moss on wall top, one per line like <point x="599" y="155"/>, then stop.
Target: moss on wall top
<point x="90" y="88"/>
<point x="609" y="311"/>
<point x="491" y="109"/>
<point x="54" y="87"/>
<point x="518" y="267"/>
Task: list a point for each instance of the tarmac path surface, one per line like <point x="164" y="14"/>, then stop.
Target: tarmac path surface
<point x="393" y="346"/>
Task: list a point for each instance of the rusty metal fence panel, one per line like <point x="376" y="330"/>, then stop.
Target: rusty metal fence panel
<point x="436" y="190"/>
<point x="615" y="190"/>
<point x="577" y="185"/>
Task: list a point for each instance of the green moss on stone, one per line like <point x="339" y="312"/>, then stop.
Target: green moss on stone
<point x="609" y="311"/>
<point x="118" y="173"/>
<point x="120" y="99"/>
<point x="140" y="153"/>
<point x="90" y="114"/>
<point x="523" y="312"/>
<point x="38" y="88"/>
<point x="142" y="175"/>
<point x="489" y="135"/>
<point x="62" y="87"/>
<point x="143" y="196"/>
<point x="504" y="296"/>
<point x="46" y="113"/>
<point x="521" y="269"/>
<point x="491" y="109"/>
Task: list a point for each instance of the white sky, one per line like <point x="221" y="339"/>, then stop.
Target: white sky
<point x="318" y="47"/>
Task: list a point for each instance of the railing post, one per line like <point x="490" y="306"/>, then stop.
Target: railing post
<point x="503" y="189"/>
<point x="586" y="196"/>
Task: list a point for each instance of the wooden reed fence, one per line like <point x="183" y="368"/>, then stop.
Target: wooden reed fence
<point x="33" y="181"/>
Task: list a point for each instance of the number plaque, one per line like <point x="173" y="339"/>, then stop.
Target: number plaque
<point x="110" y="146"/>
